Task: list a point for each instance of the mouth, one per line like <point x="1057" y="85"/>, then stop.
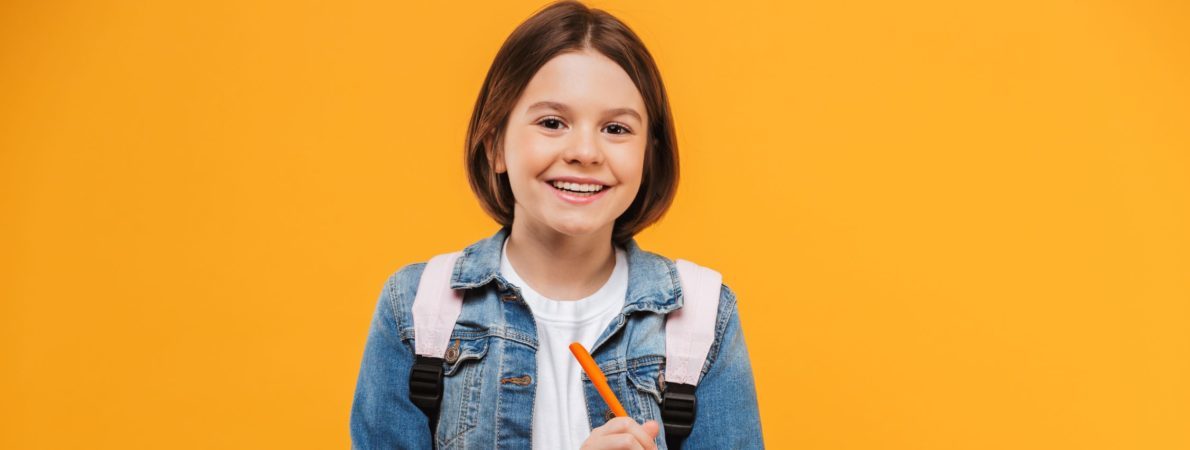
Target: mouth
<point x="579" y="194"/>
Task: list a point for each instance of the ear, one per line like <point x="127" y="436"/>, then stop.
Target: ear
<point x="494" y="155"/>
<point x="497" y="157"/>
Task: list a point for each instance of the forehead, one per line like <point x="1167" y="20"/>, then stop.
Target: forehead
<point x="585" y="81"/>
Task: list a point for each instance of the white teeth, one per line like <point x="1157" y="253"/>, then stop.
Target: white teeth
<point x="577" y="187"/>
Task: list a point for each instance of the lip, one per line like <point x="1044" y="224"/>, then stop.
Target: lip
<point x="574" y="199"/>
<point x="579" y="180"/>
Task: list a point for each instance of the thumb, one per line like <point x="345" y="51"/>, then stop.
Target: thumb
<point x="652" y="428"/>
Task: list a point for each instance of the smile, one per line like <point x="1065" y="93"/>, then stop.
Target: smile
<point x="578" y="194"/>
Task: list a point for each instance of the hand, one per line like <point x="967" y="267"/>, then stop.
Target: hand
<point x="623" y="433"/>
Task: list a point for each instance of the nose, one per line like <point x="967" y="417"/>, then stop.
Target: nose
<point x="584" y="149"/>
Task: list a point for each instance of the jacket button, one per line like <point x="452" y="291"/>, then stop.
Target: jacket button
<point x="452" y="353"/>
<point x="609" y="415"/>
<point x="509" y="297"/>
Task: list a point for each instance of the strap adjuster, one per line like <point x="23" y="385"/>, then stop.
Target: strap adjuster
<point x="425" y="383"/>
<point x="678" y="408"/>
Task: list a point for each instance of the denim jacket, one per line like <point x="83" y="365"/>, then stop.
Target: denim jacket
<point x="489" y="388"/>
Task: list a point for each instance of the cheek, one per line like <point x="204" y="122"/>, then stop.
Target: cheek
<point x="526" y="151"/>
<point x="632" y="166"/>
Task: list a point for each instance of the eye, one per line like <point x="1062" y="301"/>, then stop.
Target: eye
<point x="549" y="122"/>
<point x="616" y="126"/>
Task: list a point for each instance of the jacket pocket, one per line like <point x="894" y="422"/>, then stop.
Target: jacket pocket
<point x="462" y="370"/>
<point x="461" y="351"/>
<point x="647" y="383"/>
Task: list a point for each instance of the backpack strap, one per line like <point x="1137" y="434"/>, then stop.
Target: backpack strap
<point x="689" y="333"/>
<point x="436" y="307"/>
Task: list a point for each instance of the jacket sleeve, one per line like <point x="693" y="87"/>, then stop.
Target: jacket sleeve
<point x="382" y="414"/>
<point x="727" y="414"/>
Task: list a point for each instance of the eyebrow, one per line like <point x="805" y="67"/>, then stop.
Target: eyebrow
<point x="566" y="109"/>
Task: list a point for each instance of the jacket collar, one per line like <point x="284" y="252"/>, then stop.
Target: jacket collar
<point x="652" y="279"/>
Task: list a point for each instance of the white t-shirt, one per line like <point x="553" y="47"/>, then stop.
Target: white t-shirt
<point x="560" y="409"/>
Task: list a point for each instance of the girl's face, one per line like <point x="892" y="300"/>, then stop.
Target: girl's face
<point x="579" y="117"/>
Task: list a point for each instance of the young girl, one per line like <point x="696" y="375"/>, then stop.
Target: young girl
<point x="571" y="148"/>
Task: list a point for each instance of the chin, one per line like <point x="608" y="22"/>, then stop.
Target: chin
<point x="577" y="228"/>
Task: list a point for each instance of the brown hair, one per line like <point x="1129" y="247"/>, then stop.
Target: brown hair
<point x="561" y="27"/>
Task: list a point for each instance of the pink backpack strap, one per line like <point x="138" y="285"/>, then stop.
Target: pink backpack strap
<point x="690" y="330"/>
<point x="436" y="306"/>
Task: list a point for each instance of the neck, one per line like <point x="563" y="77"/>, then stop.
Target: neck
<point x="561" y="266"/>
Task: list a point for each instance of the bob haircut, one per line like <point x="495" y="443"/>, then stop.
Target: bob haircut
<point x="562" y="27"/>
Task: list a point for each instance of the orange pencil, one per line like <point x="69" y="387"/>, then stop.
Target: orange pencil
<point x="596" y="376"/>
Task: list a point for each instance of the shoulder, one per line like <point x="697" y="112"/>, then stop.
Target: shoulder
<point x="406" y="275"/>
<point x="726" y="315"/>
<point x="727" y="323"/>
<point x="399" y="291"/>
<point x="727" y="297"/>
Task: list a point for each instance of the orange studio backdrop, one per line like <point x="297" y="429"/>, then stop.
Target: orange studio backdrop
<point x="950" y="225"/>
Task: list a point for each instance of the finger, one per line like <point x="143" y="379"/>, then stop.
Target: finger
<point x="603" y="430"/>
<point x="652" y="428"/>
<point x="638" y="432"/>
<point x="613" y="441"/>
<point x="623" y="441"/>
<point x="627" y="428"/>
<point x="616" y="425"/>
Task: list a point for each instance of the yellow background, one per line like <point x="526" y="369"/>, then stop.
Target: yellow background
<point x="951" y="225"/>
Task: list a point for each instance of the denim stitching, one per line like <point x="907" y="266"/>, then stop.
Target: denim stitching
<point x="727" y="309"/>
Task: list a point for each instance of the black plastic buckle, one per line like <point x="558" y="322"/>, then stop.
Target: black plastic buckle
<point x="425" y="383"/>
<point x="678" y="407"/>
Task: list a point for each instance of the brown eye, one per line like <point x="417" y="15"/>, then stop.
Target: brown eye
<point x="622" y="130"/>
<point x="549" y="122"/>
